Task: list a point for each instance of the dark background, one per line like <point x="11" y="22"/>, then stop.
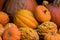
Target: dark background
<point x="40" y="1"/>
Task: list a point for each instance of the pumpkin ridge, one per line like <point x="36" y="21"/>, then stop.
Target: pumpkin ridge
<point x="20" y="22"/>
<point x="30" y="18"/>
<point x="26" y="23"/>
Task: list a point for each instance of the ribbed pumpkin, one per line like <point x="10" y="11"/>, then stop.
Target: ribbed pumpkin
<point x="47" y="27"/>
<point x="42" y="14"/>
<point x="4" y="19"/>
<point x="52" y="36"/>
<point x="13" y="5"/>
<point x="25" y="18"/>
<point x="11" y="32"/>
<point x="28" y="34"/>
<point x="1" y="29"/>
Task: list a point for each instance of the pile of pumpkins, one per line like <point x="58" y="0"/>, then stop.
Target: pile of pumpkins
<point x="26" y="20"/>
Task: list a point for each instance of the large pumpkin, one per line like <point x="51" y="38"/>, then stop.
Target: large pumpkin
<point x="25" y="18"/>
<point x="11" y="32"/>
<point x="28" y="34"/>
<point x="42" y="14"/>
<point x="52" y="36"/>
<point x="4" y="19"/>
<point x="55" y="11"/>
<point x="13" y="5"/>
<point x="47" y="27"/>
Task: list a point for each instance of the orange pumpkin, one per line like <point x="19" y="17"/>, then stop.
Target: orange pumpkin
<point x="4" y="19"/>
<point x="42" y="14"/>
<point x="1" y="29"/>
<point x="0" y="38"/>
<point x="11" y="32"/>
<point x="25" y="18"/>
<point x="52" y="36"/>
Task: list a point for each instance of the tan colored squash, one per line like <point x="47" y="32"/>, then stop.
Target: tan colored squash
<point x="25" y="18"/>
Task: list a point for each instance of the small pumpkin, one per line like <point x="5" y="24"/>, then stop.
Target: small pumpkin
<point x="0" y="38"/>
<point x="28" y="34"/>
<point x="52" y="36"/>
<point x="4" y="19"/>
<point x="47" y="27"/>
<point x="11" y="32"/>
<point x="25" y="18"/>
<point x="42" y="14"/>
<point x="1" y="29"/>
<point x="13" y="5"/>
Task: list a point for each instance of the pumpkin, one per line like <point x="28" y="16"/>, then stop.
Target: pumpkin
<point x="25" y="18"/>
<point x="52" y="36"/>
<point x="4" y="19"/>
<point x="28" y="34"/>
<point x="47" y="27"/>
<point x="11" y="32"/>
<point x="54" y="9"/>
<point x="1" y="4"/>
<point x="42" y="14"/>
<point x="13" y="5"/>
<point x="1" y="29"/>
<point x="0" y="38"/>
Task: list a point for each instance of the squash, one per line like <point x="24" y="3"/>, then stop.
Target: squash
<point x="47" y="27"/>
<point x="11" y="32"/>
<point x="28" y="34"/>
<point x="25" y="18"/>
<point x="13" y="5"/>
<point x="4" y="18"/>
<point x="52" y="36"/>
<point x="42" y="14"/>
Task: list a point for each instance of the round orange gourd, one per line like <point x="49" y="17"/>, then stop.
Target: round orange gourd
<point x="25" y="18"/>
<point x="1" y="29"/>
<point x="52" y="36"/>
<point x="47" y="27"/>
<point x="42" y="14"/>
<point x="4" y="19"/>
<point x="11" y="32"/>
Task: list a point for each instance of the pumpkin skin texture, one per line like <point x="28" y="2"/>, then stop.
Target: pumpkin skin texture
<point x="0" y="38"/>
<point x="25" y="18"/>
<point x="47" y="27"/>
<point x="42" y="14"/>
<point x="11" y="32"/>
<point x="28" y="34"/>
<point x="4" y="19"/>
<point x="53" y="36"/>
<point x="1" y="29"/>
<point x="13" y="5"/>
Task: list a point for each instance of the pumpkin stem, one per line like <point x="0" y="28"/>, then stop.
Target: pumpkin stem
<point x="9" y="35"/>
<point x="56" y="2"/>
<point x="45" y="11"/>
<point x="45" y="3"/>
